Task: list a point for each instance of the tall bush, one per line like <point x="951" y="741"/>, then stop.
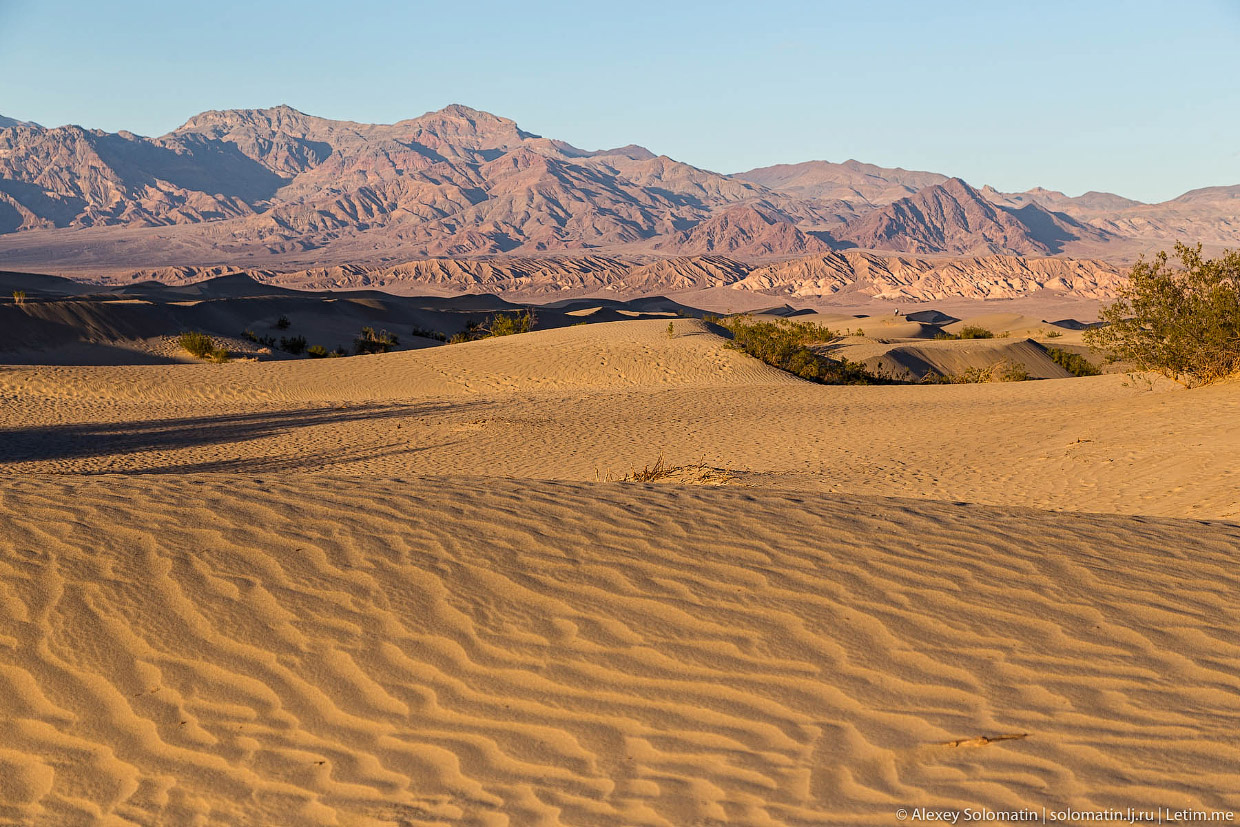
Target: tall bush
<point x="1180" y="320"/>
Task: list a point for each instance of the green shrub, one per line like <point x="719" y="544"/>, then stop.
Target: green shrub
<point x="430" y="334"/>
<point x="265" y="341"/>
<point x="1008" y="372"/>
<point x="671" y="330"/>
<point x="1073" y="363"/>
<point x="316" y="352"/>
<point x="505" y="324"/>
<point x="969" y="331"/>
<point x="19" y="297"/>
<point x="785" y="344"/>
<point x="1053" y="334"/>
<point x="1005" y="371"/>
<point x="1183" y="322"/>
<point x="472" y="331"/>
<point x="295" y="345"/>
<point x="371" y="342"/>
<point x="283" y="323"/>
<point x="202" y="346"/>
<point x="500" y="324"/>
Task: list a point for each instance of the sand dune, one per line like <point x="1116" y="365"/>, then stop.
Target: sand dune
<point x="395" y="590"/>
<point x="579" y="403"/>
<point x="602" y="356"/>
<point x="343" y="651"/>
<point x="948" y="358"/>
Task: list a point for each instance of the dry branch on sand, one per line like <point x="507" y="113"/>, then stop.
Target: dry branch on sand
<point x="695" y="474"/>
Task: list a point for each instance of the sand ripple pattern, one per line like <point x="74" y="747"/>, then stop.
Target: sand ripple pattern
<point x="225" y="650"/>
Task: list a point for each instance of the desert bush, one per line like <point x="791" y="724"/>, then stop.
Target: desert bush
<point x="472" y="331"/>
<point x="500" y="324"/>
<point x="785" y="344"/>
<point x="671" y="330"/>
<point x="430" y="334"/>
<point x="265" y="341"/>
<point x="1181" y="321"/>
<point x="371" y="342"/>
<point x="969" y="331"/>
<point x="1004" y="371"/>
<point x="1008" y="372"/>
<point x="316" y="352"/>
<point x="1053" y="334"/>
<point x="505" y="324"/>
<point x="295" y="345"/>
<point x="202" y="346"/>
<point x="19" y="297"/>
<point x="1073" y="363"/>
<point x="283" y="323"/>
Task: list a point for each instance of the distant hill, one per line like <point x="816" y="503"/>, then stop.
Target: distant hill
<point x="952" y="217"/>
<point x="852" y="181"/>
<point x="833" y="277"/>
<point x="747" y="231"/>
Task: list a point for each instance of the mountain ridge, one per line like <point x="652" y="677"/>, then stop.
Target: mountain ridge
<point x="275" y="186"/>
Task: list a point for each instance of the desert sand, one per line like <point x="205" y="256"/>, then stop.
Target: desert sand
<point x="411" y="589"/>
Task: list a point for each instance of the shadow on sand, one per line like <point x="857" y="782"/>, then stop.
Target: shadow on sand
<point x="52" y="443"/>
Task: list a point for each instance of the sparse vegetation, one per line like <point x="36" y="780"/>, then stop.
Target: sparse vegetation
<point x="472" y="331"/>
<point x="1053" y="334"/>
<point x="265" y="341"/>
<point x="500" y="324"/>
<point x="969" y="331"/>
<point x="785" y="344"/>
<point x="295" y="345"/>
<point x="1073" y="363"/>
<point x="316" y="352"/>
<point x="1004" y="371"/>
<point x="430" y="334"/>
<point x="696" y="474"/>
<point x="19" y="297"/>
<point x="1181" y="321"/>
<point x="506" y="324"/>
<point x="202" y="346"/>
<point x="671" y="330"/>
<point x="372" y="342"/>
<point x="283" y="323"/>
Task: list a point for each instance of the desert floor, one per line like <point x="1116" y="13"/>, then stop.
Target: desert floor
<point x="410" y="589"/>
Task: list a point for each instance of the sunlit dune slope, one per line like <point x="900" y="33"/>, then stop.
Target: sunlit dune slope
<point x="484" y="652"/>
<point x="584" y="403"/>
<point x="595" y="356"/>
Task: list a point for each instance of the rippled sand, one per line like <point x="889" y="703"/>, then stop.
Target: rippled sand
<point x="399" y="590"/>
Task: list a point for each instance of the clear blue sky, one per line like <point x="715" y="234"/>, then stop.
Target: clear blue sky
<point x="1138" y="97"/>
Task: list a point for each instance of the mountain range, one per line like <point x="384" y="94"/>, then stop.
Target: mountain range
<point x="277" y="188"/>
